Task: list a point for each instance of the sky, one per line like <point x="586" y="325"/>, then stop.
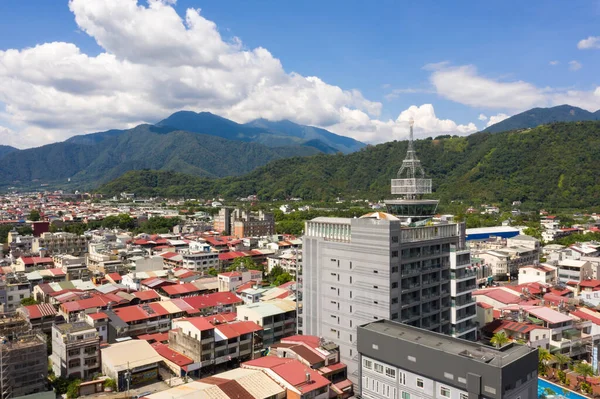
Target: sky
<point x="361" y="69"/>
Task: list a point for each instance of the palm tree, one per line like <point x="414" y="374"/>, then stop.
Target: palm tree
<point x="584" y="369"/>
<point x="543" y="358"/>
<point x="499" y="339"/>
<point x="562" y="360"/>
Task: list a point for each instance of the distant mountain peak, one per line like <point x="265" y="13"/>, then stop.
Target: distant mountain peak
<point x="542" y="116"/>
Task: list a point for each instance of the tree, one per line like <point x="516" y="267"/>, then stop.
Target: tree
<point x="283" y="278"/>
<point x="28" y="301"/>
<point x="212" y="271"/>
<point x="34" y="215"/>
<point x="584" y="369"/>
<point x="544" y="357"/>
<point x="562" y="360"/>
<point x="60" y="385"/>
<point x="73" y="389"/>
<point x="110" y="383"/>
<point x="244" y="262"/>
<point x="499" y="339"/>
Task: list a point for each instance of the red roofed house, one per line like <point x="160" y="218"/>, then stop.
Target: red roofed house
<point x="146" y="296"/>
<point x="30" y="263"/>
<point x="538" y="274"/>
<point x="323" y="357"/>
<point x="41" y="316"/>
<point x="181" y="290"/>
<point x="217" y="302"/>
<point x="214" y="346"/>
<point x="535" y="336"/>
<point x="300" y="381"/>
<point x="497" y="297"/>
<point x="229" y="281"/>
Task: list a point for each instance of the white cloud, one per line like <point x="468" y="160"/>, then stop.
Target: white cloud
<point x="482" y="117"/>
<point x="358" y="124"/>
<point x="553" y="63"/>
<point x="396" y="92"/>
<point x="495" y="119"/>
<point x="464" y="85"/>
<point x="592" y="42"/>
<point x="574" y="65"/>
<point x="153" y="63"/>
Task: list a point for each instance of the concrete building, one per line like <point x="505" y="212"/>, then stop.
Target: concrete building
<point x="60" y="243"/>
<point x="75" y="267"/>
<point x="401" y="361"/>
<point x="359" y="270"/>
<point x="463" y="281"/>
<point x="394" y="265"/>
<point x="213" y="345"/>
<point x="13" y="288"/>
<point x="574" y="270"/>
<point x="200" y="261"/>
<point x="241" y="223"/>
<point x="229" y="281"/>
<point x="133" y="361"/>
<point x="24" y="364"/>
<point x="75" y="350"/>
<point x="544" y="274"/>
<point x="102" y="260"/>
<point x="276" y="317"/>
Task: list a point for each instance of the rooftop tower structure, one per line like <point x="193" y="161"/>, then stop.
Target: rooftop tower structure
<point x="411" y="184"/>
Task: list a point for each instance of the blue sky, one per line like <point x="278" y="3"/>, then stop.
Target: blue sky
<point x="492" y="58"/>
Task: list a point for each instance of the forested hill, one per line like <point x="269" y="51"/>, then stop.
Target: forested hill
<point x="555" y="165"/>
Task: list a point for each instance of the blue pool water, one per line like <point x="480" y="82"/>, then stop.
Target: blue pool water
<point x="560" y="392"/>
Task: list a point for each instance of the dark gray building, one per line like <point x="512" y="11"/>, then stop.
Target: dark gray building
<point x="405" y="362"/>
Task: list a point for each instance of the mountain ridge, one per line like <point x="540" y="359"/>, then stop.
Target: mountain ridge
<point x="536" y="166"/>
<point x="542" y="116"/>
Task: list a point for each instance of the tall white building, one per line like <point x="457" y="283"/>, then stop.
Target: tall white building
<point x="382" y="266"/>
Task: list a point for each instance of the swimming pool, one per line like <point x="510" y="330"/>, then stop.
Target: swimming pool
<point x="559" y="392"/>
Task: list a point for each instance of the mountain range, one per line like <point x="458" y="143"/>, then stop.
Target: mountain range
<point x="553" y="165"/>
<point x="6" y="149"/>
<point x="542" y="116"/>
<point x="202" y="144"/>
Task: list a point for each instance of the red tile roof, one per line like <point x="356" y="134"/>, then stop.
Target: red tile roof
<point x="181" y="289"/>
<point x="499" y="295"/>
<point x="590" y="283"/>
<point x="157" y="337"/>
<point x="40" y="310"/>
<point x="594" y="318"/>
<point x="98" y="316"/>
<point x="310" y="340"/>
<point x="484" y="305"/>
<point x="231" y="274"/>
<point x="34" y="260"/>
<point x="211" y="300"/>
<point x="116" y="277"/>
<point x="244" y="327"/>
<point x="200" y="323"/>
<point x="227" y="331"/>
<point x="146" y="295"/>
<point x="169" y="354"/>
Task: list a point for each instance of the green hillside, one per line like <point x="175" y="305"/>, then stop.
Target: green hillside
<point x="542" y="116"/>
<point x="552" y="164"/>
<point x="143" y="147"/>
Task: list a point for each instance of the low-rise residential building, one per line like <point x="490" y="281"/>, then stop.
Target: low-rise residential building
<point x="41" y="316"/>
<point x="574" y="270"/>
<point x="75" y="350"/>
<point x="26" y="264"/>
<point x="402" y="361"/>
<point x="213" y="345"/>
<point x="299" y="380"/>
<point x="13" y="289"/>
<point x="229" y="281"/>
<point x="60" y="243"/>
<point x="74" y="267"/>
<point x="544" y="274"/>
<point x="276" y="317"/>
<point x="133" y="361"/>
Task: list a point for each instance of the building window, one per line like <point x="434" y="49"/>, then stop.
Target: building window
<point x="390" y="372"/>
<point x="395" y="300"/>
<point x="402" y="378"/>
<point x="394" y="239"/>
<point x="394" y="285"/>
<point x="376" y="302"/>
<point x="394" y="254"/>
<point x="379" y="368"/>
<point x="466" y="396"/>
<point x="445" y="392"/>
<point x="350" y="279"/>
<point x="375" y="271"/>
<point x="420" y="383"/>
<point x="368" y="364"/>
<point x="376" y="287"/>
<point x="405" y="395"/>
<point x="394" y="269"/>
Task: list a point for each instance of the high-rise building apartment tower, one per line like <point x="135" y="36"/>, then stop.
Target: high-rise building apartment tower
<point x="387" y="266"/>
